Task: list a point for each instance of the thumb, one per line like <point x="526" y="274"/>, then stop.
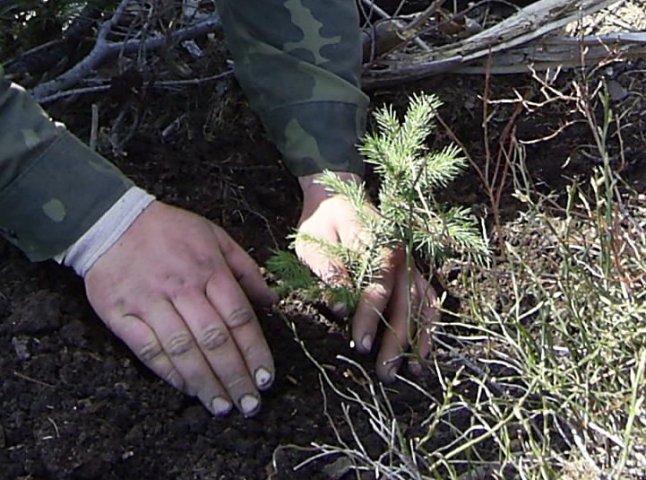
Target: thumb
<point x="313" y="253"/>
<point x="330" y="269"/>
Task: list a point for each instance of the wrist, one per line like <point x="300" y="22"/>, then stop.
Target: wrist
<point x="107" y="231"/>
<point x="314" y="191"/>
<point x="315" y="194"/>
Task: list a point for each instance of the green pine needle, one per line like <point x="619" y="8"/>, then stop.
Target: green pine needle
<point x="409" y="214"/>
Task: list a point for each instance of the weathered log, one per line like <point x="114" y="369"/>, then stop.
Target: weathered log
<point x="513" y="46"/>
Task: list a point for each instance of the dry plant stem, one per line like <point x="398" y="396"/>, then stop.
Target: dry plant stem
<point x="94" y="131"/>
<point x="418" y="22"/>
<point x="75" y="91"/>
<point x="380" y="416"/>
<point x="104" y="49"/>
<point x="33" y="380"/>
<point x="166" y="84"/>
<point x="494" y="182"/>
<point x="473" y="368"/>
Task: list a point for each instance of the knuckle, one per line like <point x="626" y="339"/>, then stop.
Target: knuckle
<point x="174" y="378"/>
<point x="117" y="304"/>
<point x="179" y="344"/>
<point x="239" y="317"/>
<point x="252" y="350"/>
<point x="176" y="281"/>
<point x="177" y="286"/>
<point x="205" y="262"/>
<point x="236" y="383"/>
<point x="149" y="351"/>
<point x="378" y="292"/>
<point x="213" y="338"/>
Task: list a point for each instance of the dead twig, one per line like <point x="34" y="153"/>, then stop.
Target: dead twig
<point x="104" y="49"/>
<point x="373" y="38"/>
<point x="32" y="380"/>
<point x="166" y="84"/>
<point x="94" y="132"/>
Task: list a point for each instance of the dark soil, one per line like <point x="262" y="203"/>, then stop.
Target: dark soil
<point x="76" y="404"/>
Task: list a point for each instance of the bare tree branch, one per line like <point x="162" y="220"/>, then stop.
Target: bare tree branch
<point x="372" y="40"/>
<point x="167" y="84"/>
<point x="104" y="50"/>
<point x="46" y="56"/>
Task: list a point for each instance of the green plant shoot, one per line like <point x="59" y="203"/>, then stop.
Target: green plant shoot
<point x="409" y="216"/>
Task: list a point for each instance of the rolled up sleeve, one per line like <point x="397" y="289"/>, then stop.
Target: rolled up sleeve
<point x="52" y="187"/>
<point x="299" y="63"/>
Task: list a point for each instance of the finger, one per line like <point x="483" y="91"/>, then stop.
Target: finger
<point x="178" y="343"/>
<point x="234" y="309"/>
<point x="143" y="342"/>
<point x="427" y="316"/>
<point x="401" y="326"/>
<point x="218" y="346"/>
<point x="325" y="266"/>
<point x="245" y="270"/>
<point x="372" y="304"/>
<point x="356" y="235"/>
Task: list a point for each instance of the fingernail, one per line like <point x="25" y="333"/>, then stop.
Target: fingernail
<point x="221" y="406"/>
<point x="249" y="405"/>
<point x="339" y="309"/>
<point x="392" y="371"/>
<point x="366" y="342"/>
<point x="263" y="378"/>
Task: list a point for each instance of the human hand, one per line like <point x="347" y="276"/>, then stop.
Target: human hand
<point x="175" y="289"/>
<point x="400" y="293"/>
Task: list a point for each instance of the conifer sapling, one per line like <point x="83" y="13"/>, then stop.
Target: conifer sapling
<point x="409" y="216"/>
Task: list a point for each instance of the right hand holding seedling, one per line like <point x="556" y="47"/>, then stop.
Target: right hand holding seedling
<point x="398" y="296"/>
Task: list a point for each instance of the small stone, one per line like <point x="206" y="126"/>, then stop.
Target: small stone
<point x="616" y="91"/>
<point x="21" y="347"/>
<point x="338" y="468"/>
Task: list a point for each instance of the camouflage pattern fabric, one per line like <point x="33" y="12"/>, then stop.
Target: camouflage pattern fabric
<point x="52" y="187"/>
<point x="297" y="60"/>
<point x="299" y="63"/>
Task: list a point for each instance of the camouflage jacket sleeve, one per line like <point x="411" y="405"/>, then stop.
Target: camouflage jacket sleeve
<point x="52" y="187"/>
<point x="299" y="64"/>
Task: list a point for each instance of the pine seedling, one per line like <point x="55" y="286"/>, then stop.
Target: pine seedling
<point x="409" y="216"/>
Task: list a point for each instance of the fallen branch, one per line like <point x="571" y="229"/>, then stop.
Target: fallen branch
<point x="104" y="50"/>
<point x="390" y="33"/>
<point x="167" y="84"/>
<point x="44" y="57"/>
<point x="551" y="52"/>
<point x="555" y="52"/>
<point x="520" y="43"/>
<point x="514" y="33"/>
